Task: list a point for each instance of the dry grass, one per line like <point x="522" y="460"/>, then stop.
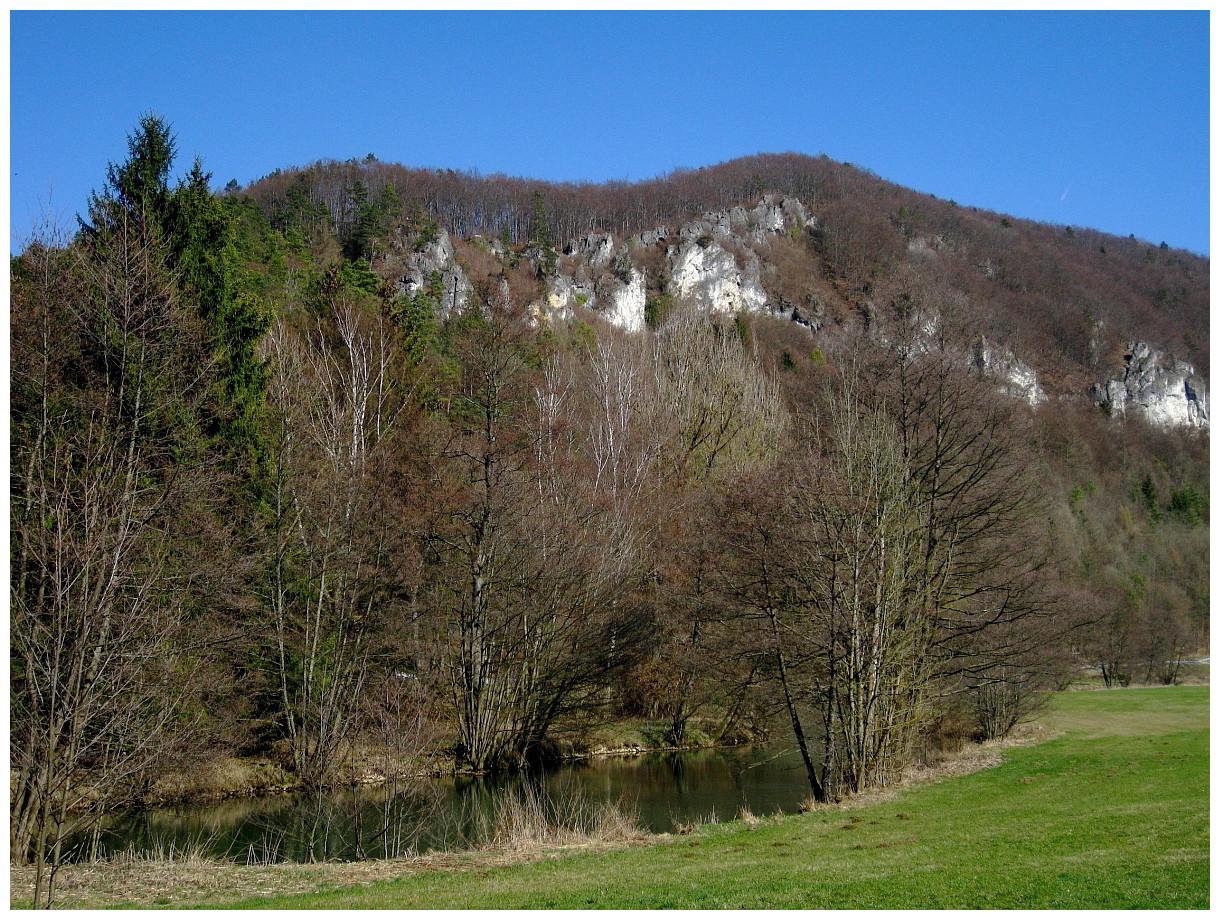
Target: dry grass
<point x="531" y="820"/>
<point x="686" y="827"/>
<point x="526" y="828"/>
<point x="151" y="882"/>
<point x="189" y="879"/>
<point x="222" y="777"/>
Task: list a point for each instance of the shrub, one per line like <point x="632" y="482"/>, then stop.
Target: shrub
<point x="656" y="309"/>
<point x="1188" y="505"/>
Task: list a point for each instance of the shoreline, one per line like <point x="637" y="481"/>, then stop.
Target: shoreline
<point x="229" y="778"/>
<point x="191" y="879"/>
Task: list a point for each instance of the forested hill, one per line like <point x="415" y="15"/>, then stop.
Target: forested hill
<point x="364" y="469"/>
<point x="1064" y="298"/>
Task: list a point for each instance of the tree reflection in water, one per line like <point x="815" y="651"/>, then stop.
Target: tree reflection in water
<point x="450" y="813"/>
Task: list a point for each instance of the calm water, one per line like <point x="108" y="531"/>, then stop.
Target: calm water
<point x="458" y="812"/>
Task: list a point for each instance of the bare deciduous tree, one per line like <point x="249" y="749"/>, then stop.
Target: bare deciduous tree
<point x="110" y="541"/>
<point x="527" y="570"/>
<point x="334" y="387"/>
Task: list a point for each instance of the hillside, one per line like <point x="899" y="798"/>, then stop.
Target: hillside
<point x="364" y="469"/>
<point x="1067" y="300"/>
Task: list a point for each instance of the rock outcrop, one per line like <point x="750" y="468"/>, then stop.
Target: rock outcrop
<point x="703" y="267"/>
<point x="995" y="363"/>
<point x="1014" y="376"/>
<point x="717" y="263"/>
<point x="710" y="262"/>
<point x="1168" y="394"/>
<point x="421" y="267"/>
<point x="704" y="272"/>
<point x="623" y="301"/>
<point x="598" y="275"/>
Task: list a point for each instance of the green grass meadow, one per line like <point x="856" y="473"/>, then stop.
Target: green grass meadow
<point x="1112" y="814"/>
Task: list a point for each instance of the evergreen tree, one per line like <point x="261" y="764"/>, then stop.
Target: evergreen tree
<point x="541" y="237"/>
<point x="194" y="234"/>
<point x="139" y="186"/>
<point x="371" y="219"/>
<point x="201" y="235"/>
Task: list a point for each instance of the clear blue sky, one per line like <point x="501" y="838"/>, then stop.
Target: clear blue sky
<point x="1089" y="119"/>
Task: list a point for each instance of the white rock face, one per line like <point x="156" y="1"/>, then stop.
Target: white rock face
<point x="651" y="237"/>
<point x="624" y="303"/>
<point x="998" y="364"/>
<point x="701" y="267"/>
<point x="555" y="305"/>
<point x="438" y="257"/>
<point x="599" y="276"/>
<point x="1015" y="376"/>
<point x="596" y="249"/>
<point x="767" y="217"/>
<point x="708" y="275"/>
<point x="1167" y="396"/>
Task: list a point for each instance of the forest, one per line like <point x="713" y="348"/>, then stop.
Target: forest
<point x="263" y="504"/>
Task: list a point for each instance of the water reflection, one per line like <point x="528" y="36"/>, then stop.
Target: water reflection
<point x="458" y="812"/>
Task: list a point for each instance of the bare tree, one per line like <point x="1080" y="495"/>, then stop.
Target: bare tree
<point x="111" y="481"/>
<point x="526" y="569"/>
<point x="818" y="566"/>
<point x="859" y="545"/>
<point x="900" y="563"/>
<point x="334" y="387"/>
<point x="725" y="413"/>
<point x="720" y="416"/>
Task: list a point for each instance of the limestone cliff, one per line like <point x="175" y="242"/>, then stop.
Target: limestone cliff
<point x="721" y="264"/>
<point x="422" y="265"/>
<point x="1015" y="376"/>
<point x="1166" y="392"/>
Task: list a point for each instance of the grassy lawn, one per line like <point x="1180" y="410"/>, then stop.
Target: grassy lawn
<point x="1112" y="814"/>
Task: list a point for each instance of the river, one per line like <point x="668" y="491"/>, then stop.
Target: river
<point x="449" y="813"/>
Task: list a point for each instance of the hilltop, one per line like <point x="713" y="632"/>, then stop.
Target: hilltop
<point x="827" y="243"/>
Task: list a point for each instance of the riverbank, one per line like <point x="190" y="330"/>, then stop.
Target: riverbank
<point x="1108" y="809"/>
<point x="228" y="777"/>
<point x="191" y="878"/>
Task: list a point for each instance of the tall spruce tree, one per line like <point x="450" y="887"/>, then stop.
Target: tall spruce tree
<point x="196" y="235"/>
<point x="138" y="187"/>
<point x="201" y="237"/>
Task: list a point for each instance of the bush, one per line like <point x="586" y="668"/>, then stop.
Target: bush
<point x="533" y="818"/>
<point x="1002" y="702"/>
<point x="1188" y="505"/>
<point x="656" y="309"/>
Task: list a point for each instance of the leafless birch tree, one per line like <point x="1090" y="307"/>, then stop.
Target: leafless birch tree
<point x="333" y="386"/>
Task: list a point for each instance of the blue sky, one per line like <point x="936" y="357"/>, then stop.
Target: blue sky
<point x="1089" y="119"/>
